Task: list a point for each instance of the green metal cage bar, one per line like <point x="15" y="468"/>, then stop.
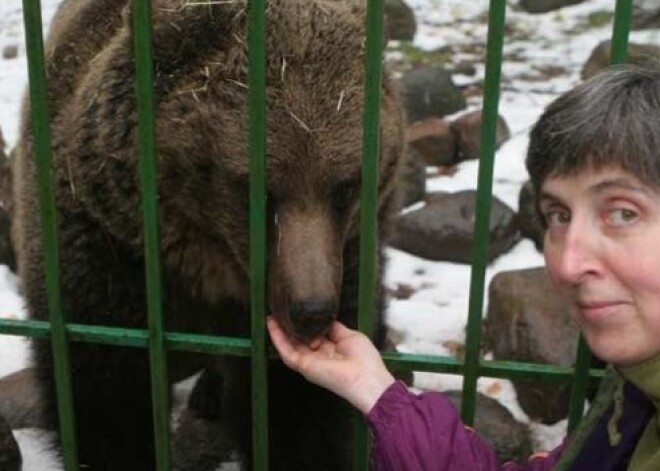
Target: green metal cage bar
<point x="257" y="134"/>
<point x="484" y="192"/>
<point x="368" y="198"/>
<point x="150" y="213"/>
<point x="42" y="148"/>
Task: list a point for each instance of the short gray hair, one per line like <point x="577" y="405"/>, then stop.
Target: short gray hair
<point x="611" y="119"/>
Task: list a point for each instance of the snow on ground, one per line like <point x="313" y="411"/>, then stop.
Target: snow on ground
<point x="437" y="312"/>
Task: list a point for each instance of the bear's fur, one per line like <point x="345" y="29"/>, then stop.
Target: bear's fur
<point x="315" y="81"/>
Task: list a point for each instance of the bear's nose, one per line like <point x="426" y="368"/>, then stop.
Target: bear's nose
<point x="310" y="318"/>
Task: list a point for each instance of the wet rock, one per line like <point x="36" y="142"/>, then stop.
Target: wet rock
<point x="400" y="23"/>
<point x="528" y="219"/>
<point x="526" y="321"/>
<point x="435" y="141"/>
<point x="509" y="438"/>
<point x="20" y="401"/>
<point x="10" y="455"/>
<point x="467" y="129"/>
<point x="10" y="52"/>
<point x="543" y="6"/>
<point x="429" y="91"/>
<point x="443" y="230"/>
<point x="600" y="57"/>
<point x="645" y="14"/>
<point x="7" y="256"/>
<point x="413" y="178"/>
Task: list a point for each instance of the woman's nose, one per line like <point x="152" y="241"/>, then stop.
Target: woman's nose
<point x="576" y="256"/>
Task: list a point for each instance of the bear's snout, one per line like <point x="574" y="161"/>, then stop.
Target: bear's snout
<point x="312" y="318"/>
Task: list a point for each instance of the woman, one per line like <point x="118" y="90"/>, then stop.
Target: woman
<point x="594" y="162"/>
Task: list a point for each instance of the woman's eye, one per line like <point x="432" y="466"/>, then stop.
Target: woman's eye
<point x="556" y="218"/>
<point x="622" y="216"/>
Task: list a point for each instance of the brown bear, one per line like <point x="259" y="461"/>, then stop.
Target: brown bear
<point x="315" y="80"/>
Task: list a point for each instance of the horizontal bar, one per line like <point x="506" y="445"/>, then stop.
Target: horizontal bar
<point x="238" y="346"/>
<point x="139" y="338"/>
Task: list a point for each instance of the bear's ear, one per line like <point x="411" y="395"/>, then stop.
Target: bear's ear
<point x="185" y="31"/>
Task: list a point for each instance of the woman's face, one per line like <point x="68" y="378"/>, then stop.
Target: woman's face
<point x="602" y="251"/>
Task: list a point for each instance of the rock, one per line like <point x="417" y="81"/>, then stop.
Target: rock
<point x="10" y="454"/>
<point x="600" y="56"/>
<point x="7" y="256"/>
<point x="430" y="92"/>
<point x="413" y="178"/>
<point x="400" y="24"/>
<point x="435" y="141"/>
<point x="543" y="6"/>
<point x="528" y="219"/>
<point x="20" y="401"/>
<point x="443" y="229"/>
<point x="467" y="129"/>
<point x="645" y="14"/>
<point x="10" y="52"/>
<point x="509" y="438"/>
<point x="526" y="321"/>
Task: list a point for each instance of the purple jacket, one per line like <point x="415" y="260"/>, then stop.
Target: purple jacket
<point x="424" y="432"/>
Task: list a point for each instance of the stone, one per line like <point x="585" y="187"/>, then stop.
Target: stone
<point x="20" y="400"/>
<point x="443" y="230"/>
<point x="435" y="141"/>
<point x="526" y="321"/>
<point x="10" y="51"/>
<point x="412" y="178"/>
<point x="528" y="218"/>
<point x="400" y="23"/>
<point x="10" y="454"/>
<point x="509" y="438"/>
<point x="467" y="129"/>
<point x="600" y="56"/>
<point x="543" y="6"/>
<point x="429" y="91"/>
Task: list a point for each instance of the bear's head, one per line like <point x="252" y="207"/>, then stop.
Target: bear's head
<point x="315" y="97"/>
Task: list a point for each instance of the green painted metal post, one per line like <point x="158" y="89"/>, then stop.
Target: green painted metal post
<point x="484" y="195"/>
<point x="257" y="135"/>
<point x="42" y="140"/>
<point x="150" y="214"/>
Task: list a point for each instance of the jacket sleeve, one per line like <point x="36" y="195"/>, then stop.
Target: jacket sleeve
<point x="424" y="432"/>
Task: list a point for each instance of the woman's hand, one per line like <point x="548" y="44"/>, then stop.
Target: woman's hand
<point x="344" y="362"/>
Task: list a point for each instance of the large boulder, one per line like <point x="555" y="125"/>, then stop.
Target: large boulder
<point x="20" y="400"/>
<point x="467" y="129"/>
<point x="7" y="256"/>
<point x="434" y="140"/>
<point x="543" y="6"/>
<point x="413" y="178"/>
<point x="526" y="321"/>
<point x="10" y="455"/>
<point x="528" y="218"/>
<point x="509" y="438"/>
<point x="400" y="21"/>
<point x="646" y="14"/>
<point x="429" y="91"/>
<point x="600" y="57"/>
<point x="443" y="230"/>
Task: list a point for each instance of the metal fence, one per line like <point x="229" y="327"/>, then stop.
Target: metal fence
<point x="158" y="341"/>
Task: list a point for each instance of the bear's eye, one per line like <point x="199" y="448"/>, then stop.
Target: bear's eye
<point x="345" y="194"/>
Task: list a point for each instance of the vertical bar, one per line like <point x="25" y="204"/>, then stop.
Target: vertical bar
<point x="150" y="214"/>
<point x="621" y="31"/>
<point x="42" y="140"/>
<point x="484" y="191"/>
<point x="257" y="134"/>
<point x="579" y="388"/>
<point x="369" y="195"/>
